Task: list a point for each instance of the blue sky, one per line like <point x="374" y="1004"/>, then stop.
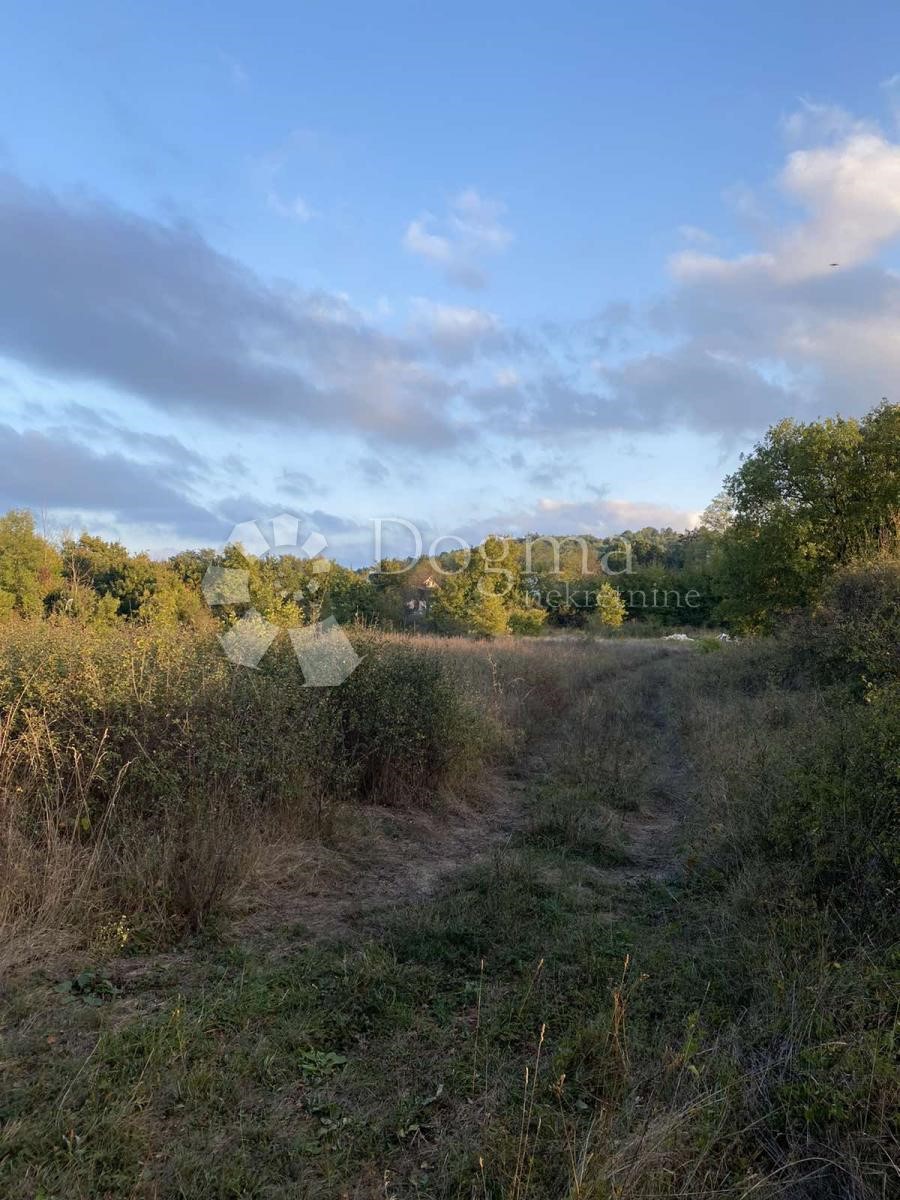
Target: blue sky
<point x="501" y="267"/>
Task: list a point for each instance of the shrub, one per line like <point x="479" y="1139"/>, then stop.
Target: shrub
<point x="853" y="635"/>
<point x="709" y="645"/>
<point x="402" y="726"/>
<point x="140" y="769"/>
<point x="527" y="621"/>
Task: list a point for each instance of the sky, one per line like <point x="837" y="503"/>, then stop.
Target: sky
<point x="470" y="268"/>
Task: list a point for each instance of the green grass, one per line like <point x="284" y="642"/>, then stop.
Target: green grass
<point x="403" y="1058"/>
<point x="721" y="1027"/>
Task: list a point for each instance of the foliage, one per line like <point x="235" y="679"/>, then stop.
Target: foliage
<point x="527" y="620"/>
<point x="851" y="635"/>
<point x="90" y="987"/>
<point x="478" y="596"/>
<point x="150" y="750"/>
<point x="716" y="1019"/>
<point x="810" y="497"/>
<point x="609" y="607"/>
<point x="703" y="1008"/>
<point x="28" y="566"/>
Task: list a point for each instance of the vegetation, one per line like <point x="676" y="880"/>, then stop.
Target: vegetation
<point x="139" y="768"/>
<point x="810" y="498"/>
<point x="498" y="917"/>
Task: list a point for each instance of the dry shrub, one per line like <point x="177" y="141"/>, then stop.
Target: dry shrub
<point x="141" y="773"/>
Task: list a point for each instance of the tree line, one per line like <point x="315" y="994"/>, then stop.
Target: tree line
<point x="809" y="497"/>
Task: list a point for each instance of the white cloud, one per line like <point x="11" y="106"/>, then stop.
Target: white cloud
<point x="696" y="236"/>
<point x="297" y="208"/>
<point x="454" y="322"/>
<point x="816" y="122"/>
<point x="418" y="240"/>
<point x="744" y="339"/>
<point x="456" y="333"/>
<point x="471" y="230"/>
<point x="236" y="70"/>
<point x="850" y="190"/>
<point x="612" y="516"/>
<point x="479" y="221"/>
<point x="789" y="329"/>
<point x="598" y="516"/>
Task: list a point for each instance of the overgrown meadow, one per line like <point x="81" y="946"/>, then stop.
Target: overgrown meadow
<point x="674" y="975"/>
<point x="142" y="772"/>
<point x="577" y="916"/>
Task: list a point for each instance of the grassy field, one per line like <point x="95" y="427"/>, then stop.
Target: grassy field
<point x="558" y="918"/>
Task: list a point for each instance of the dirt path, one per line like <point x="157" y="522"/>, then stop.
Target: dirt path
<point x="651" y="834"/>
<point x="379" y="858"/>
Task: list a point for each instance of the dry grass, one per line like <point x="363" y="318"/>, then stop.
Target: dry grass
<point x="140" y="776"/>
<point x="709" y="1014"/>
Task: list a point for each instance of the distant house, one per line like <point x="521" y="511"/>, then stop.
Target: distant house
<point x="417" y="604"/>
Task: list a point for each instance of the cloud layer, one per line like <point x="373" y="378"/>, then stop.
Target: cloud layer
<point x="52" y="471"/>
<point x="800" y="319"/>
<point x="93" y="293"/>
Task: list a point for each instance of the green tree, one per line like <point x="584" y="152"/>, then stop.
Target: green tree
<point x="172" y="602"/>
<point x="527" y="621"/>
<point x="29" y="566"/>
<point x="191" y="565"/>
<point x="610" y="607"/>
<point x="718" y="515"/>
<point x="809" y="497"/>
<point x="274" y="585"/>
<point x="92" y="568"/>
<point x="479" y="596"/>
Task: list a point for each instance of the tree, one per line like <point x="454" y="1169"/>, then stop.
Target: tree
<point x="809" y="497"/>
<point x="92" y="567"/>
<point x="272" y="583"/>
<point x="191" y="565"/>
<point x="718" y="515"/>
<point x="479" y="596"/>
<point x="527" y="621"/>
<point x="610" y="607"/>
<point x="29" y="566"/>
<point x="350" y="596"/>
<point x="173" y="601"/>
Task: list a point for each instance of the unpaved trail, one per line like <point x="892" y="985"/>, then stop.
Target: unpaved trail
<point x="380" y="858"/>
<point x="384" y="857"/>
<point x="651" y="834"/>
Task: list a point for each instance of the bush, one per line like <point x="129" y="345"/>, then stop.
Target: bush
<point x="853" y="635"/>
<point x="709" y="645"/>
<point x="139" y="768"/>
<point x="527" y="622"/>
<point x="835" y="814"/>
<point x="403" y="728"/>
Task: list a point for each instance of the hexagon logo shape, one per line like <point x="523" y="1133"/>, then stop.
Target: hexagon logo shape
<point x="280" y="535"/>
<point x="324" y="652"/>
<point x="248" y="639"/>
<point x="226" y="585"/>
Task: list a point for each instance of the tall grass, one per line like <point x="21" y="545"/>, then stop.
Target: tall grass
<point x="141" y="773"/>
<point x="776" y="956"/>
<point x="744" y="1048"/>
